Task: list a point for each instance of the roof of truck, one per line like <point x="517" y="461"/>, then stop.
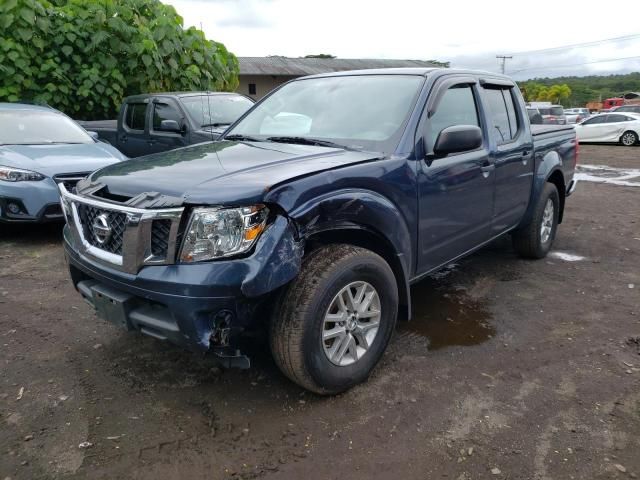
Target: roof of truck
<point x="410" y="71"/>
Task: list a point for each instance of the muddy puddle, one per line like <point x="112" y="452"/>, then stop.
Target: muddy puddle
<point x="446" y="316"/>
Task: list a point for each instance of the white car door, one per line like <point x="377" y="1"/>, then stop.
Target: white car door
<point x="613" y="127"/>
<point x="591" y="130"/>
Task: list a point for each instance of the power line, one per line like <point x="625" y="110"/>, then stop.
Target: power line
<point x="584" y="44"/>
<point x="504" y="59"/>
<point x="577" y="64"/>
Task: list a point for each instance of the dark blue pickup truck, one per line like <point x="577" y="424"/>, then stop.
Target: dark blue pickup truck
<point x="314" y="213"/>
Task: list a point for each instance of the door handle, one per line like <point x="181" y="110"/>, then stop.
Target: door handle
<point x="487" y="169"/>
<point x="526" y="153"/>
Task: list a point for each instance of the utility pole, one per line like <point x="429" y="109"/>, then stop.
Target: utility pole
<point x="504" y="59"/>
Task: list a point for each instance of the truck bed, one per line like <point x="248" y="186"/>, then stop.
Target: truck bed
<point x="97" y="125"/>
<point x="538" y="130"/>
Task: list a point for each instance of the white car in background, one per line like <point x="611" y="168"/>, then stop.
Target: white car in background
<point x="576" y="115"/>
<point x="621" y="128"/>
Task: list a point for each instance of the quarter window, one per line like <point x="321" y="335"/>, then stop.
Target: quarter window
<point x="134" y="117"/>
<point x="164" y="111"/>
<point x="457" y="107"/>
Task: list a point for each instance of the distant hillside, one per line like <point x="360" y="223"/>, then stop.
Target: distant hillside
<point x="592" y="88"/>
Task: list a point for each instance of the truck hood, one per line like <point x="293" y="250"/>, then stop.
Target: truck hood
<point x="51" y="160"/>
<point x="222" y="173"/>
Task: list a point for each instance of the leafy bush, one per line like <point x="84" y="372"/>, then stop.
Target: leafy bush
<point x="84" y="56"/>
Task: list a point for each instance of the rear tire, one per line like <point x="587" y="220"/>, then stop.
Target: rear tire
<point x="629" y="139"/>
<point x="534" y="239"/>
<point x="301" y="325"/>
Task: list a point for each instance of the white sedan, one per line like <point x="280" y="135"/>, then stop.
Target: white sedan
<point x="621" y="128"/>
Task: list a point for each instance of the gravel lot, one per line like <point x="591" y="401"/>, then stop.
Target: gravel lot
<point x="511" y="369"/>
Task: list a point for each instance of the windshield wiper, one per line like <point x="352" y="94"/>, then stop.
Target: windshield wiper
<point x="216" y="124"/>
<point x="306" y="141"/>
<point x="246" y="138"/>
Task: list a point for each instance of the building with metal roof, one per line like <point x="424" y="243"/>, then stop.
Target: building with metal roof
<point x="260" y="75"/>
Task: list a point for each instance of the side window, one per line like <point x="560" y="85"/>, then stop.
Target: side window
<point x="134" y="116"/>
<point x="164" y="111"/>
<point x="514" y="126"/>
<point x="499" y="123"/>
<point x="616" y="118"/>
<point x="595" y="120"/>
<point x="457" y="107"/>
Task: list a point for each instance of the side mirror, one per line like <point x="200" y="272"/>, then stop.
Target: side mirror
<point x="93" y="135"/>
<point x="458" y="138"/>
<point x="170" y="126"/>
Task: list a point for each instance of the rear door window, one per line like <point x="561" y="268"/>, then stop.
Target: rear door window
<point x="503" y="122"/>
<point x="135" y="115"/>
<point x="164" y="111"/>
<point x="616" y="118"/>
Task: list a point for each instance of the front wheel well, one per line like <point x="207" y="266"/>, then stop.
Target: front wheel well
<point x="371" y="241"/>
<point x="558" y="180"/>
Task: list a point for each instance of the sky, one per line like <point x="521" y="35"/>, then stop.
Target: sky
<point x="467" y="33"/>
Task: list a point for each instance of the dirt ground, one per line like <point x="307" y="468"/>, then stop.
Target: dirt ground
<point x="511" y="369"/>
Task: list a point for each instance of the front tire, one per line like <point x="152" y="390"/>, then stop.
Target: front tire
<point x="629" y="139"/>
<point x="534" y="239"/>
<point x="334" y="321"/>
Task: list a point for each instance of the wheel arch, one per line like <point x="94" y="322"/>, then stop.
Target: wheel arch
<point x="365" y="238"/>
<point x="557" y="178"/>
<point x="367" y="219"/>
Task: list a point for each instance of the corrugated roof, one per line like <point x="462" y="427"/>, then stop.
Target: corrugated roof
<point x="311" y="66"/>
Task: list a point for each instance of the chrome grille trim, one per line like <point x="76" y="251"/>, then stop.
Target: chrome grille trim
<point x="137" y="236"/>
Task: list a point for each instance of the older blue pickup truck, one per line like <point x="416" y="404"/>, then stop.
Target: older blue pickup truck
<point x="157" y="122"/>
<point x="314" y="213"/>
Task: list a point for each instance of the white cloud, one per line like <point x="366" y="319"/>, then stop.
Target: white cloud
<point x="466" y="32"/>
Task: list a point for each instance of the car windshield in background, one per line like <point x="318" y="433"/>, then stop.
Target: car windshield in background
<point x="216" y="110"/>
<point x="557" y="111"/>
<point x="28" y="127"/>
<point x="356" y="111"/>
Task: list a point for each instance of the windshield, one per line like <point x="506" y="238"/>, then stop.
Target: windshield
<point x="357" y="111"/>
<point x="37" y="127"/>
<point x="216" y="110"/>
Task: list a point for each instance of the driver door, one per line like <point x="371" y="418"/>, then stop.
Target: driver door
<point x="456" y="192"/>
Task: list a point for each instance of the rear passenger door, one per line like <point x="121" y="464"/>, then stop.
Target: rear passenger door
<point x="132" y="134"/>
<point x="161" y="139"/>
<point x="614" y="126"/>
<point x="511" y="153"/>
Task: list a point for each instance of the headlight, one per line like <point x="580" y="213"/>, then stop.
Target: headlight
<point x="10" y="174"/>
<point x="222" y="232"/>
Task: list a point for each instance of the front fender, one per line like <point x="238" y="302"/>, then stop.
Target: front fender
<point x="360" y="209"/>
<point x="276" y="262"/>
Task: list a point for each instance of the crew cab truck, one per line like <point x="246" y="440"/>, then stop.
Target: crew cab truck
<point x="315" y="212"/>
<point x="156" y="122"/>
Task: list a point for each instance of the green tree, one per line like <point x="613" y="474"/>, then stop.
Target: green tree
<point x="84" y="56"/>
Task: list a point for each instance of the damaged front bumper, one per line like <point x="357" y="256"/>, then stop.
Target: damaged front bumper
<point x="199" y="306"/>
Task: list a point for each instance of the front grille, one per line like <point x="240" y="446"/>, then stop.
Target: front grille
<point x="69" y="180"/>
<point x="160" y="230"/>
<point x="117" y="221"/>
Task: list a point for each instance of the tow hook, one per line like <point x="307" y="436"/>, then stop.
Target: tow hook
<point x="226" y="355"/>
